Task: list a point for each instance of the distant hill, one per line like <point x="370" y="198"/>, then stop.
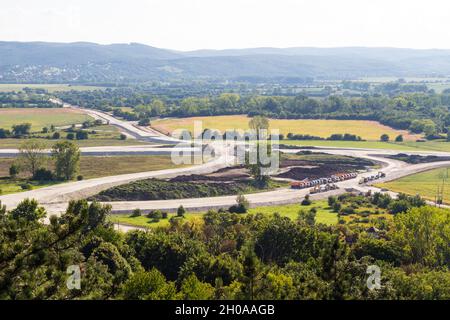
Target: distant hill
<point x="90" y="62"/>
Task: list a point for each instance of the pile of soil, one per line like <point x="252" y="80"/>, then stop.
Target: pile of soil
<point x="302" y="169"/>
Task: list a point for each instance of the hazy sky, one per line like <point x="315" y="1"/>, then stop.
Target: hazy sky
<point x="218" y="24"/>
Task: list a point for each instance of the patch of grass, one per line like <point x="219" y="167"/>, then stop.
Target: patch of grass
<point x="324" y="215"/>
<point x="8" y="186"/>
<point x="424" y="183"/>
<point x="90" y="167"/>
<point x="95" y="167"/>
<point x="369" y="130"/>
<point x="40" y="117"/>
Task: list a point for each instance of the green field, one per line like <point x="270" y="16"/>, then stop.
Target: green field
<point x="6" y="87"/>
<point x="324" y="215"/>
<point x="41" y="117"/>
<point x="368" y="130"/>
<point x="424" y="183"/>
<point x="90" y="167"/>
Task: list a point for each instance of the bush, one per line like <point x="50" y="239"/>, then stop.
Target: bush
<point x="123" y="137"/>
<point x="306" y="201"/>
<point x="337" y="206"/>
<point x="82" y="135"/>
<point x="331" y="201"/>
<point x="80" y="177"/>
<point x="399" y="138"/>
<point x="346" y="211"/>
<point x="43" y="174"/>
<point x="26" y="186"/>
<point x="181" y="211"/>
<point x="164" y="215"/>
<point x="4" y="133"/>
<point x="136" y="213"/>
<point x="241" y="205"/>
<point x="384" y="138"/>
<point x="14" y="170"/>
<point x="144" y="122"/>
<point x="155" y="215"/>
<point x="56" y="135"/>
<point x="70" y="136"/>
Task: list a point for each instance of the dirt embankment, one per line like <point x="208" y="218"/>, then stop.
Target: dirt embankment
<point x="319" y="167"/>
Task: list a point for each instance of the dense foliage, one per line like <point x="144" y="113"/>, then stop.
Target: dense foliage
<point x="26" y="99"/>
<point x="226" y="256"/>
<point x="419" y="112"/>
<point x="154" y="189"/>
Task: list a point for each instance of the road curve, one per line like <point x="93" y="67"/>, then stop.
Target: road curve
<point x="394" y="169"/>
<point x="55" y="198"/>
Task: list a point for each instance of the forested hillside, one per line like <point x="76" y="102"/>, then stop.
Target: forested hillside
<point x="41" y="62"/>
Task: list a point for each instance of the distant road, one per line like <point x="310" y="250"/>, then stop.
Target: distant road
<point x="114" y="150"/>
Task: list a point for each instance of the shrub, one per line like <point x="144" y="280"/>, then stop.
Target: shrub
<point x="399" y="138"/>
<point x="70" y="136"/>
<point x="123" y="137"/>
<point x="384" y="137"/>
<point x="164" y="215"/>
<point x="4" y="133"/>
<point x="80" y="177"/>
<point x="144" y="122"/>
<point x="136" y="213"/>
<point x="181" y="211"/>
<point x="331" y="201"/>
<point x="26" y="186"/>
<point x="347" y="210"/>
<point x="241" y="205"/>
<point x="14" y="170"/>
<point x="82" y="135"/>
<point x="306" y="201"/>
<point x="43" y="174"/>
<point x="336" y="207"/>
<point x="56" y="135"/>
<point x="155" y="214"/>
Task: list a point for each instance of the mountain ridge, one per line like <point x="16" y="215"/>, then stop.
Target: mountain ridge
<point x="91" y="62"/>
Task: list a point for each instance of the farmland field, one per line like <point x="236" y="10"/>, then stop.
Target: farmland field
<point x="324" y="215"/>
<point x="369" y="130"/>
<point x="40" y="117"/>
<point x="5" y="87"/>
<point x="105" y="135"/>
<point x="425" y="184"/>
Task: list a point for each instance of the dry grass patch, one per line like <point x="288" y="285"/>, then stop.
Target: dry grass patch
<point x="369" y="130"/>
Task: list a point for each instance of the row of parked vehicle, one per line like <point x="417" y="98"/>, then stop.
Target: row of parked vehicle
<point x="323" y="188"/>
<point x="317" y="182"/>
<point x="379" y="175"/>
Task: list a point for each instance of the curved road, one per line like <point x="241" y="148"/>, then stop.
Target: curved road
<point x="55" y="198"/>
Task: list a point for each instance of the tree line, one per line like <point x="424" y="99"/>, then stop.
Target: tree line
<point x="223" y="256"/>
<point x="419" y="112"/>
